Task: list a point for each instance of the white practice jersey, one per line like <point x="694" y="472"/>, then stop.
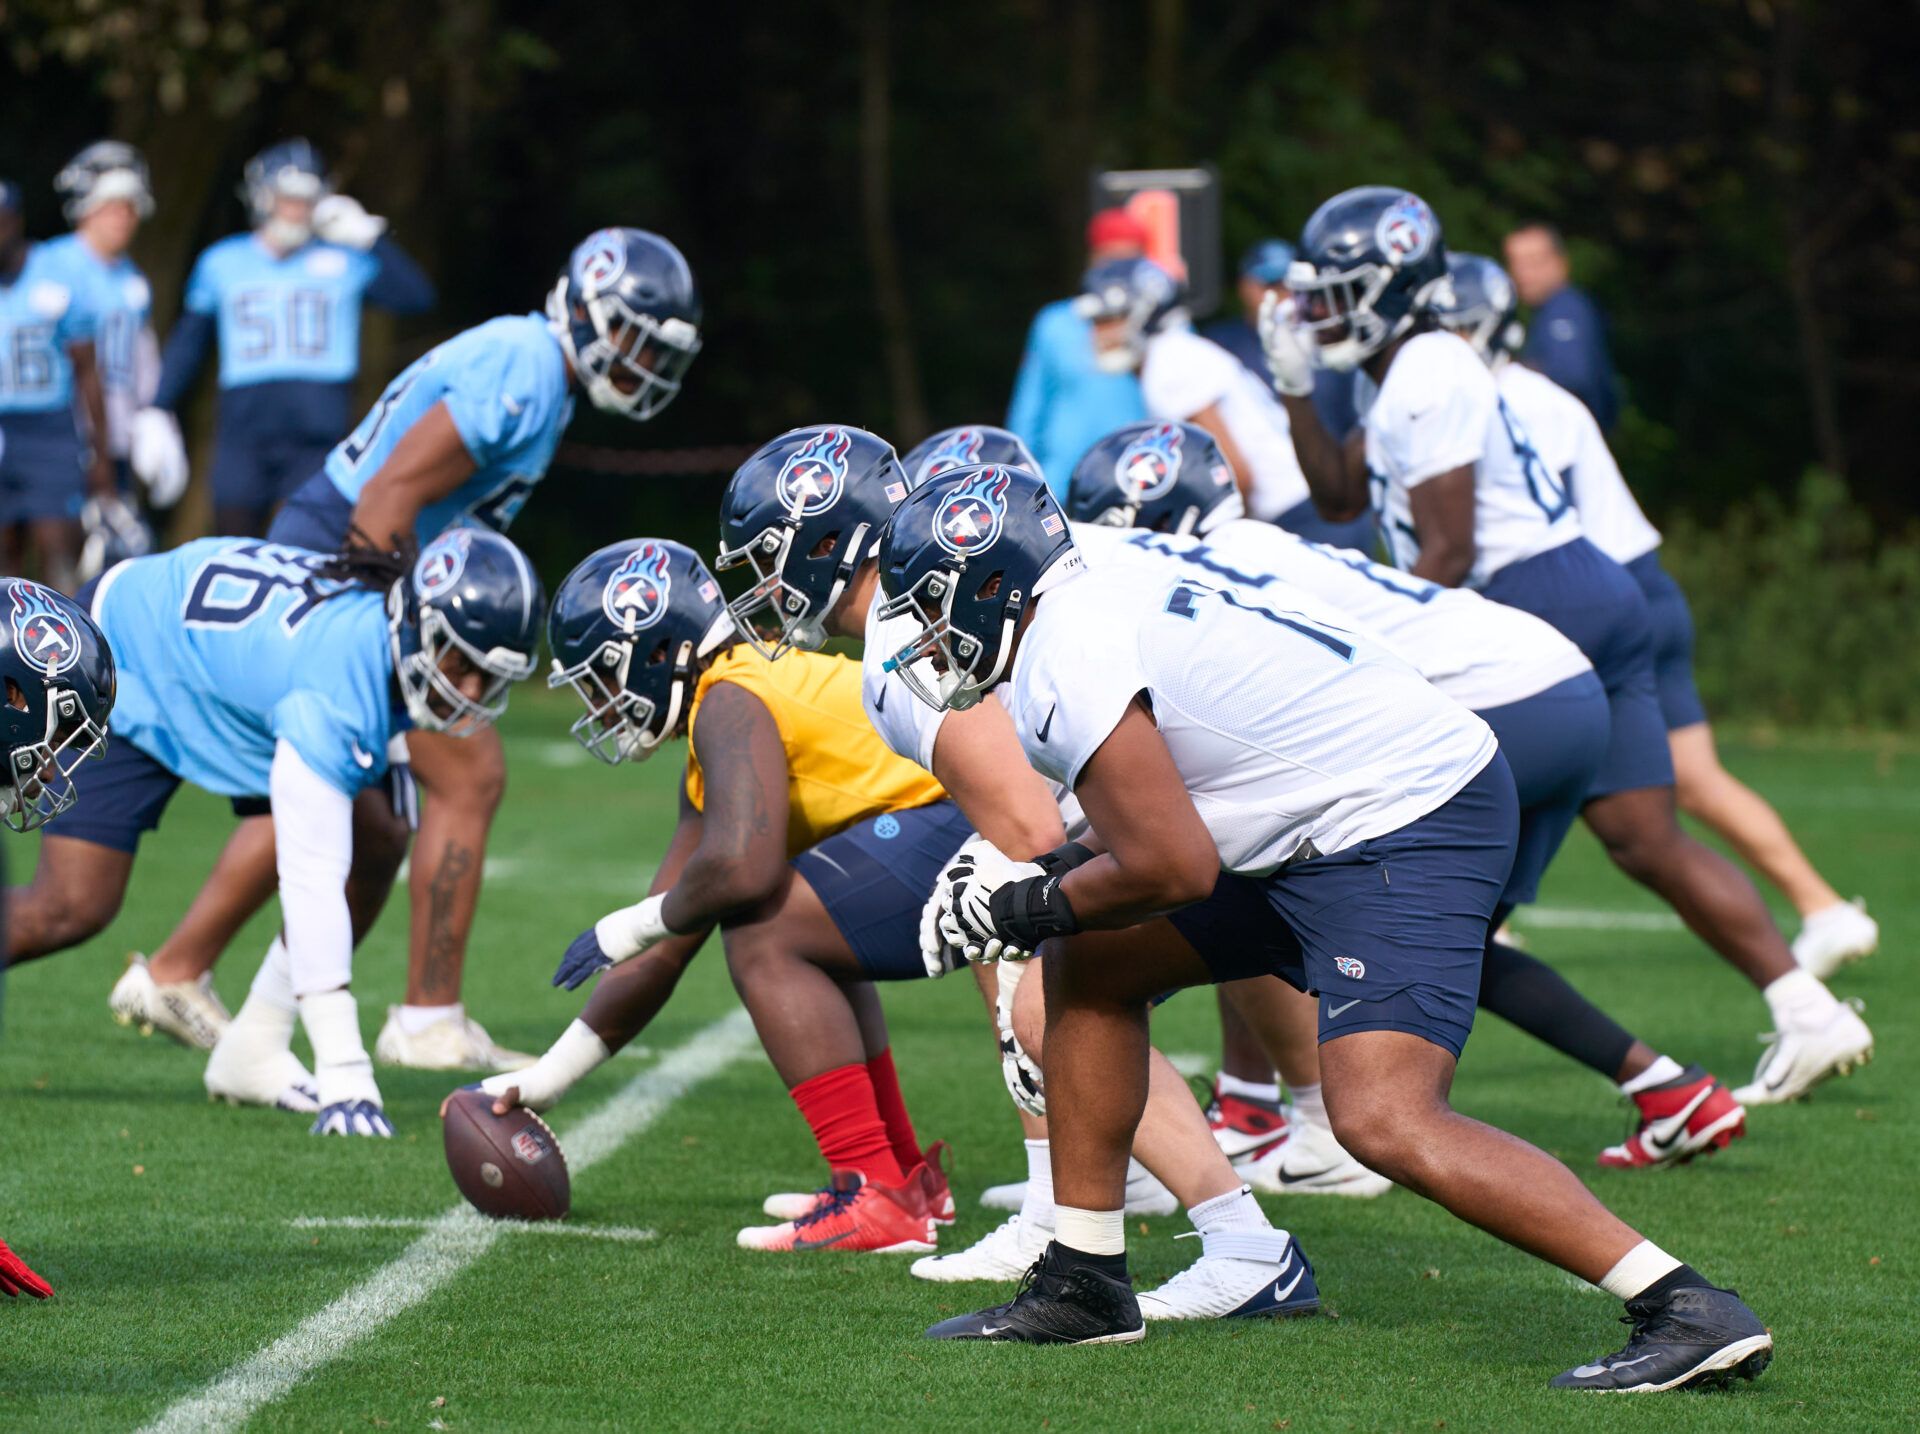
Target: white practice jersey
<point x="1294" y="735"/>
<point x="1185" y="374"/>
<point x="1569" y="439"/>
<point x="1482" y="654"/>
<point x="1438" y="410"/>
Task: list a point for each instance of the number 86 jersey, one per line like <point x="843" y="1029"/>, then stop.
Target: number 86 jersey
<point x="227" y="645"/>
<point x="1437" y="410"/>
<point x="1294" y="735"/>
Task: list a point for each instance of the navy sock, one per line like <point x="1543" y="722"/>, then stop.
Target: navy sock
<point x="1538" y="999"/>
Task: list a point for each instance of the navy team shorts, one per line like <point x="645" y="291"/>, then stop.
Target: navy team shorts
<point x="874" y="879"/>
<point x="316" y="517"/>
<point x="258" y="471"/>
<point x="41" y="467"/>
<point x="1672" y="642"/>
<point x="1590" y="599"/>
<point x="1389" y="933"/>
<point x="1554" y="742"/>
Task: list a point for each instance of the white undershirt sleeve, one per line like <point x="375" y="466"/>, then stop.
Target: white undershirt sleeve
<point x="313" y="832"/>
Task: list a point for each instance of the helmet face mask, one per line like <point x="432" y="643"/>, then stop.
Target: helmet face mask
<point x="290" y="170"/>
<point x="469" y="579"/>
<point x="619" y="723"/>
<point x="1126" y="301"/>
<point x="59" y="691"/>
<point x="942" y="664"/>
<point x="1372" y="262"/>
<point x="628" y="317"/>
<point x="40" y="774"/>
<point x="1480" y="305"/>
<point x="1336" y="311"/>
<point x="774" y="615"/>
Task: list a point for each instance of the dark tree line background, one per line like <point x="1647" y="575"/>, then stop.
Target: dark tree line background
<point x="877" y="195"/>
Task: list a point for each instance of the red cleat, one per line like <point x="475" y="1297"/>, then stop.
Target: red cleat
<point x="931" y="1174"/>
<point x="16" y="1279"/>
<point x="855" y="1218"/>
<point x="1245" y="1129"/>
<point x="1693" y="1114"/>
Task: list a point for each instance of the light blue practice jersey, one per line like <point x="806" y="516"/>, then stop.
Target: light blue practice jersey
<point x="505" y="384"/>
<point x="120" y="298"/>
<point x="226" y="645"/>
<point x="48" y="306"/>
<point x="283" y="317"/>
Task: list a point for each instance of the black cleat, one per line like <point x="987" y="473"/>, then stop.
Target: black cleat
<point x="1060" y="1301"/>
<point x="1695" y="1337"/>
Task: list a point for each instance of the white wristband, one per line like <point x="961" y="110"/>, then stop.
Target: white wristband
<point x="341" y="1066"/>
<point x="578" y="1051"/>
<point x="632" y="929"/>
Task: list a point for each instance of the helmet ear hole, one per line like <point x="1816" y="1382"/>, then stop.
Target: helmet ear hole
<point x="659" y="653"/>
<point x="16" y="698"/>
<point x="990" y="589"/>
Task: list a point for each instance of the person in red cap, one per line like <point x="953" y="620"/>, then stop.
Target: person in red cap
<point x="1062" y="401"/>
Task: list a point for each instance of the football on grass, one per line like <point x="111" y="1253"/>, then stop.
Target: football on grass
<point x="508" y="1166"/>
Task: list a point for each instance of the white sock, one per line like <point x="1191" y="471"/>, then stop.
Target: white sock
<point x="1091" y="1232"/>
<point x="415" y="1019"/>
<point x="1246" y="1089"/>
<point x="267" y="1013"/>
<point x="1797" y="1000"/>
<point x="1310" y="1104"/>
<point x="1664" y="1069"/>
<point x="341" y="1067"/>
<point x="1037" y="1208"/>
<point x="1235" y="1210"/>
<point x="1638" y="1268"/>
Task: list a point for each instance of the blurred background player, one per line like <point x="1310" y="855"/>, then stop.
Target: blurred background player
<point x="59" y="678"/>
<point x="106" y="193"/>
<point x="461" y="437"/>
<point x="49" y="372"/>
<point x="247" y="667"/>
<point x="1062" y="398"/>
<point x="1140" y="324"/>
<point x="1567" y="340"/>
<point x="1482" y="308"/>
<point x="283" y="304"/>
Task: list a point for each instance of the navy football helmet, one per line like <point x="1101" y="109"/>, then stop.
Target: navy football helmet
<point x="1371" y="263"/>
<point x="474" y="600"/>
<point x="1171" y="477"/>
<point x="629" y="630"/>
<point x="964" y="447"/>
<point x="804" y="513"/>
<point x="1480" y="305"/>
<point x="104" y="171"/>
<point x="627" y="313"/>
<point x="964" y="555"/>
<point x="291" y="169"/>
<point x="1137" y="292"/>
<point x="60" y="687"/>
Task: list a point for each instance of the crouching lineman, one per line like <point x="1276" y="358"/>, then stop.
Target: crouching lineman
<point x="1303" y="804"/>
<point x="250" y="667"/>
<point x="60" y="688"/>
<point x="1530" y="684"/>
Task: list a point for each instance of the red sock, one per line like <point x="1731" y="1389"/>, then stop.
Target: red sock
<point x="839" y="1106"/>
<point x="893" y="1110"/>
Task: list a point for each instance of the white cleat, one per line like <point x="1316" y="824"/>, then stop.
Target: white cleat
<point x="452" y="1043"/>
<point x="189" y="1011"/>
<point x="1798" y="1060"/>
<point x="1310" y="1161"/>
<point x="272" y="1077"/>
<point x="1005" y="1253"/>
<point x="1834" y="936"/>
<point x="1241" y="1274"/>
<point x="1145" y="1194"/>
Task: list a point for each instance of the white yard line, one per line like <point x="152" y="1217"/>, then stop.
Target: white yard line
<point x="1560" y="918"/>
<point x="452" y="1241"/>
<point x="621" y="1233"/>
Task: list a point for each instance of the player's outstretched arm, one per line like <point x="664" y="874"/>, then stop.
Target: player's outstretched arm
<point x="977" y="757"/>
<point x="429" y="462"/>
<point x="1442" y="510"/>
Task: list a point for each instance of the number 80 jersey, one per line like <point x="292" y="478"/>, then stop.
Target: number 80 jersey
<point x="1439" y="409"/>
<point x="506" y="388"/>
<point x="227" y="645"/>
<point x="1293" y="734"/>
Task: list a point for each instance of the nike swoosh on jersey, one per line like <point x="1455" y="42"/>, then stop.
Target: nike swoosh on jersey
<point x="1047" y="726"/>
<point x="880" y="702"/>
<point x="365" y="759"/>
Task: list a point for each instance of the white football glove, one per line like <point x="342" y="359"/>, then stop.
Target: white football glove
<point x="541" y="1085"/>
<point x="1025" y="1081"/>
<point x="1288" y="357"/>
<point x="977" y="871"/>
<point x="340" y="219"/>
<point x="938" y="954"/>
<point x="157" y="456"/>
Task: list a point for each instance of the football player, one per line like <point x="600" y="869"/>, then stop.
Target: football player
<point x="49" y="372"/>
<point x="60" y="683"/>
<point x="1268" y="793"/>
<point x="252" y="667"/>
<point x="1466" y="499"/>
<point x="1532" y="686"/>
<point x="1139" y="318"/>
<point x="1480" y="306"/>
<point x="806" y="521"/>
<point x="462" y="436"/>
<point x="282" y="302"/>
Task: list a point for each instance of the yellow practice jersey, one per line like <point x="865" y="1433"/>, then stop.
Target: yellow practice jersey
<point x="838" y="769"/>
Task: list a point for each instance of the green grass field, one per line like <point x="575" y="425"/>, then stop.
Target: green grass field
<point x="165" y="1223"/>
